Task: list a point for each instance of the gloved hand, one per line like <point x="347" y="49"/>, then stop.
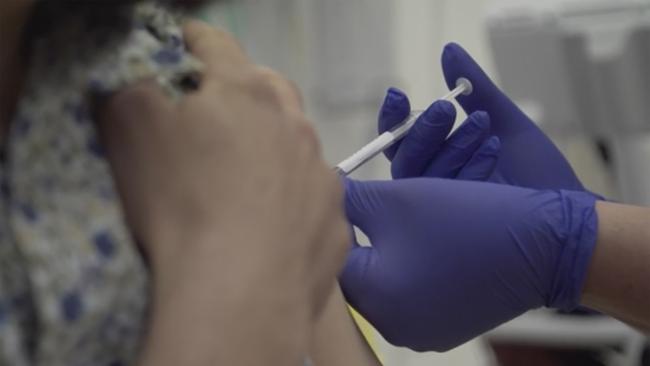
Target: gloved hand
<point x="452" y="259"/>
<point x="470" y="153"/>
<point x="527" y="157"/>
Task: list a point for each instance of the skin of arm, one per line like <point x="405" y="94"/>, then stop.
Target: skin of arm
<point x="618" y="282"/>
<point x="232" y="281"/>
<point x="201" y="316"/>
<point x="337" y="340"/>
<point x="165" y="334"/>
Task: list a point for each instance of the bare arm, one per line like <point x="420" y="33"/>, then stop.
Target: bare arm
<point x="337" y="340"/>
<point x="234" y="282"/>
<point x="618" y="282"/>
<point x="207" y="313"/>
<point x="182" y="318"/>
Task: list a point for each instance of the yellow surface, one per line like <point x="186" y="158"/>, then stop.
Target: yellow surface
<point x="368" y="331"/>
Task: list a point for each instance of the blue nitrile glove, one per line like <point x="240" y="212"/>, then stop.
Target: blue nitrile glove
<point x="452" y="259"/>
<point x="470" y="153"/>
<point x="527" y="157"/>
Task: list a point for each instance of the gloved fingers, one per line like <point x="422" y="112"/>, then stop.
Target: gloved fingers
<point x="394" y="110"/>
<point x="460" y="147"/>
<point x="424" y="140"/>
<point x="486" y="96"/>
<point x="481" y="166"/>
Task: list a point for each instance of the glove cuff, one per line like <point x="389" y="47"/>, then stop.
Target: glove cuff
<point x="581" y="225"/>
<point x="597" y="196"/>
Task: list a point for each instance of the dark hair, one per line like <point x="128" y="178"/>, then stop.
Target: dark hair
<point x="47" y="14"/>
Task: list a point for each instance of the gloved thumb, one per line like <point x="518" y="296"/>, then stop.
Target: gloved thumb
<point x="361" y="201"/>
<point x="356" y="277"/>
<point x="483" y="163"/>
<point x="486" y="96"/>
<point x="366" y="285"/>
<point x="363" y="288"/>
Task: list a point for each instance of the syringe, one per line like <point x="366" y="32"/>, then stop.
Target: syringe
<point x="388" y="138"/>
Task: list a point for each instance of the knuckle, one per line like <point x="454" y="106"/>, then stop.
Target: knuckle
<point x="262" y="85"/>
<point x="218" y="49"/>
<point x="262" y="70"/>
<point x="195" y="27"/>
<point x="221" y="34"/>
<point x="307" y="133"/>
<point x="269" y="75"/>
<point x="267" y="78"/>
<point x="199" y="34"/>
<point x="286" y="92"/>
<point x="296" y="94"/>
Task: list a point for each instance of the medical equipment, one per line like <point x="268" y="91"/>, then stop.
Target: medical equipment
<point x="581" y="72"/>
<point x="388" y="138"/>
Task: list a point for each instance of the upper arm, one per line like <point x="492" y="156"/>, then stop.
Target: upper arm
<point x="337" y="340"/>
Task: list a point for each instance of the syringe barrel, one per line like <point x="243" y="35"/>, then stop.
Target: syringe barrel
<point x="388" y="138"/>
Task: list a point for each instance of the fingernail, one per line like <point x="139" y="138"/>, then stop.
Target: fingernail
<point x="444" y="107"/>
<point x="394" y="96"/>
<point x="473" y="131"/>
<point x="480" y="120"/>
<point x="491" y="147"/>
<point x="494" y="144"/>
<point x="449" y="51"/>
<point x="440" y="113"/>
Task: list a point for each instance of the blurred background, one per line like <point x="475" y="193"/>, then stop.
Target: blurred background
<point x="580" y="68"/>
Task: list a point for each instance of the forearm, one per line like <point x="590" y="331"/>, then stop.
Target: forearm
<point x="202" y="318"/>
<point x="618" y="282"/>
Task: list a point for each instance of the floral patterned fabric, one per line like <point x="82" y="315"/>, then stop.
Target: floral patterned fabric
<point x="73" y="286"/>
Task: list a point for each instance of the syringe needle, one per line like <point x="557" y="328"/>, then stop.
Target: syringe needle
<point x="388" y="138"/>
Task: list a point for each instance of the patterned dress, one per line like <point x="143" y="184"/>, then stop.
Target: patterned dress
<point x="73" y="286"/>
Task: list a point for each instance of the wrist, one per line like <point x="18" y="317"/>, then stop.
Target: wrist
<point x="578" y="231"/>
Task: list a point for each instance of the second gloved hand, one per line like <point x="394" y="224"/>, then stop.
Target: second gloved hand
<point x="452" y="259"/>
<point x="527" y="157"/>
